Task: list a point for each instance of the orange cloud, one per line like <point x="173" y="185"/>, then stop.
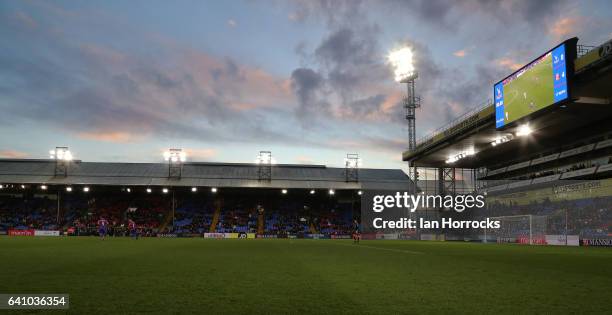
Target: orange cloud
<point x="508" y="63"/>
<point x="460" y="53"/>
<point x="564" y="27"/>
<point x="200" y="154"/>
<point x="13" y="154"/>
<point x="115" y="136"/>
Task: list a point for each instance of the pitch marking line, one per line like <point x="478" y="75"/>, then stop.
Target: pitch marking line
<point x="385" y="249"/>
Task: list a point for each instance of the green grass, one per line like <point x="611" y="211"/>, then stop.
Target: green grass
<point x="537" y="83"/>
<point x="307" y="276"/>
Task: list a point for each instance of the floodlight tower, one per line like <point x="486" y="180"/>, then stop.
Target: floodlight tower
<point x="352" y="162"/>
<point x="175" y="158"/>
<point x="264" y="166"/>
<point x="62" y="157"/>
<point x="404" y="71"/>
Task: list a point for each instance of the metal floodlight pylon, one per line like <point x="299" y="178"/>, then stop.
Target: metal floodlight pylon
<point x="264" y="166"/>
<point x="175" y="158"/>
<point x="62" y="157"/>
<point x="352" y="162"/>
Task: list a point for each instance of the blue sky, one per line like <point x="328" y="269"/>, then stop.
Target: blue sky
<point x="124" y="80"/>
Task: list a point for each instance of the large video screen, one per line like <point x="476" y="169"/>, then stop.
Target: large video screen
<point x="536" y="86"/>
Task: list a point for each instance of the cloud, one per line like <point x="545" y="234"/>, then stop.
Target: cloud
<point x="460" y="53"/>
<point x="564" y="27"/>
<point x="116" y="137"/>
<point x="508" y="63"/>
<point x="13" y="154"/>
<point x="232" y="23"/>
<point x="201" y="154"/>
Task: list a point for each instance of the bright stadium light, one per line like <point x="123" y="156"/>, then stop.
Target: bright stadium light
<point x="332" y="192"/>
<point x="61" y="154"/>
<point x="1" y="186"/>
<point x="148" y="190"/>
<point x="128" y="190"/>
<point x="213" y="190"/>
<point x="85" y="189"/>
<point x="360" y="193"/>
<point x="23" y="186"/>
<point x="165" y="190"/>
<point x="68" y="189"/>
<point x="194" y="189"/>
<point x="401" y="61"/>
<point x="454" y="158"/>
<point x="312" y="192"/>
<point x="265" y="157"/>
<point x="175" y="155"/>
<point x="284" y="191"/>
<point x="43" y="187"/>
<point x="353" y="162"/>
<point x="523" y="130"/>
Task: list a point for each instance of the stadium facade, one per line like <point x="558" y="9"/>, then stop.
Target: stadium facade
<point x="558" y="171"/>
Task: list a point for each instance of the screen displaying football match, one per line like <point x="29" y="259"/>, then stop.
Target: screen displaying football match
<point x="538" y="85"/>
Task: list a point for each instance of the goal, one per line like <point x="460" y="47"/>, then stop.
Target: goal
<point x="521" y="229"/>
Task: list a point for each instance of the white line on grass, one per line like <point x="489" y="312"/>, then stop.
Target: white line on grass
<point x="382" y="248"/>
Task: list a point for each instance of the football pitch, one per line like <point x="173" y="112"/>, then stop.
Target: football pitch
<point x="530" y="92"/>
<point x="156" y="275"/>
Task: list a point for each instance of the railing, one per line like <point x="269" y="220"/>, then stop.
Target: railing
<point x="453" y="122"/>
<point x="584" y="49"/>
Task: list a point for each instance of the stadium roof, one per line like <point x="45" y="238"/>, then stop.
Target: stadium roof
<point x="476" y="130"/>
<point x="24" y="171"/>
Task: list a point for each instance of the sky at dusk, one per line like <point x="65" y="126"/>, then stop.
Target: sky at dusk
<point x="307" y="80"/>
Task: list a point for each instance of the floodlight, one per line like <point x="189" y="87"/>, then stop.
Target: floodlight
<point x="23" y="187"/>
<point x="148" y="190"/>
<point x="85" y="189"/>
<point x="214" y="189"/>
<point x="284" y="191"/>
<point x="360" y="193"/>
<point x="175" y="155"/>
<point x="61" y="154"/>
<point x="43" y="187"/>
<point x="68" y="189"/>
<point x="1" y="186"/>
<point x="312" y="192"/>
<point x="523" y="130"/>
<point x="332" y="192"/>
<point x="128" y="189"/>
<point x="194" y="189"/>
<point x="265" y="157"/>
<point x="401" y="61"/>
<point x="165" y="190"/>
<point x="353" y="162"/>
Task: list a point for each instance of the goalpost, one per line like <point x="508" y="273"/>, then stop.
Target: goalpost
<point x="522" y="229"/>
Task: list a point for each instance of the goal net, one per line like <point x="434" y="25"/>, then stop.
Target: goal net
<point x="521" y="229"/>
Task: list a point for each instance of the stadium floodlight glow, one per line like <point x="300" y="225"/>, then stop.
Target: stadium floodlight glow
<point x="128" y="190"/>
<point x="1" y="186"/>
<point x="148" y="190"/>
<point x="312" y="192"/>
<point x="61" y="154"/>
<point x="68" y="189"/>
<point x="501" y="140"/>
<point x="401" y="61"/>
<point x="523" y="130"/>
<point x="194" y="189"/>
<point x="360" y="193"/>
<point x="353" y="162"/>
<point x="454" y="158"/>
<point x="43" y="187"/>
<point x="332" y="192"/>
<point x="85" y="189"/>
<point x="165" y="190"/>
<point x="284" y="191"/>
<point x="175" y="155"/>
<point x="265" y="157"/>
<point x="23" y="186"/>
<point x="213" y="189"/>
